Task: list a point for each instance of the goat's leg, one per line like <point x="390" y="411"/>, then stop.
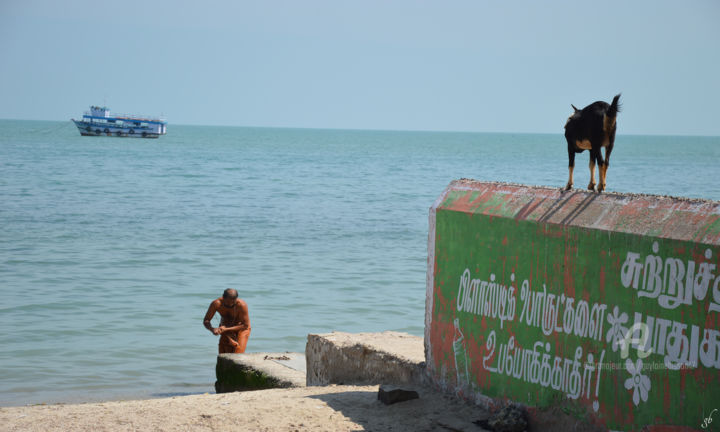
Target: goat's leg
<point x="593" y="156"/>
<point x="571" y="166"/>
<point x="603" y="173"/>
<point x="602" y="168"/>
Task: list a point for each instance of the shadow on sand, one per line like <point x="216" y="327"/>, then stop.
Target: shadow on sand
<point x="432" y="411"/>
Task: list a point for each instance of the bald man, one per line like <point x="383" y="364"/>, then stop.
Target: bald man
<point x="234" y="329"/>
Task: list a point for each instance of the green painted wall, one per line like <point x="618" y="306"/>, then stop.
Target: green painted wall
<point x="621" y="326"/>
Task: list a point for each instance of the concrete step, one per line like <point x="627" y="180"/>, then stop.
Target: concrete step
<point x="257" y="371"/>
<point x="332" y="358"/>
<point x="365" y="358"/>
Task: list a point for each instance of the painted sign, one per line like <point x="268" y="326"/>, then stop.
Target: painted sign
<point x="546" y="298"/>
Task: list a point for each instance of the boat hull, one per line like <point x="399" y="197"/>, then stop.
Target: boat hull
<point x="107" y="129"/>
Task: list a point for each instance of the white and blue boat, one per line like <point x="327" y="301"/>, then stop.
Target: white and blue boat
<point x="99" y="122"/>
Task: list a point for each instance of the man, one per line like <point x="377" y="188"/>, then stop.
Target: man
<point x="234" y="329"/>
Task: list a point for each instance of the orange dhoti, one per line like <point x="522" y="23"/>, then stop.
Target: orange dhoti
<point x="234" y="342"/>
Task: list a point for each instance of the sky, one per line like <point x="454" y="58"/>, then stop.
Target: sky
<point x="487" y="66"/>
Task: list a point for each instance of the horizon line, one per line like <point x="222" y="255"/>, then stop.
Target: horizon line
<point x="388" y="130"/>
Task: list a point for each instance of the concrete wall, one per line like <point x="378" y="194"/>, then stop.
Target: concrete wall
<point x="258" y="371"/>
<point x="606" y="304"/>
<point x="364" y="358"/>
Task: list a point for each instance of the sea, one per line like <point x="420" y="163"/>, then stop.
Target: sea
<point x="111" y="249"/>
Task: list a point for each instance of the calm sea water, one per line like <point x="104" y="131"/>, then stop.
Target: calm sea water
<point x="111" y="249"/>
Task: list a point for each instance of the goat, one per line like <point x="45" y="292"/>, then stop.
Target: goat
<point x="592" y="128"/>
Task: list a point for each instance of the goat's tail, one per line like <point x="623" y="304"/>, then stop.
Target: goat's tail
<point x="614" y="107"/>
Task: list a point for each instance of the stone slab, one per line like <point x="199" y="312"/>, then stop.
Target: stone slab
<point x="294" y="361"/>
<point x="392" y="394"/>
<point x="364" y="358"/>
<point x="256" y="371"/>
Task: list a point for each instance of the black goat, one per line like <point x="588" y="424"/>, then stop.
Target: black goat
<point x="592" y="128"/>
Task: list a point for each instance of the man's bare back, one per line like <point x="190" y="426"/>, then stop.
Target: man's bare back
<point x="234" y="329"/>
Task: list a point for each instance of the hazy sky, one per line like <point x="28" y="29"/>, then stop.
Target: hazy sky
<point x="496" y="66"/>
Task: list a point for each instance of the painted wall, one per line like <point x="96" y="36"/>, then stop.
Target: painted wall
<point x="605" y="303"/>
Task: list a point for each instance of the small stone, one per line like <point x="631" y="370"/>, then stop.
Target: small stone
<point x="390" y="395"/>
<point x="511" y="418"/>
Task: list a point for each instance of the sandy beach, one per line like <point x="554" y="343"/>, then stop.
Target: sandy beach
<point x="331" y="408"/>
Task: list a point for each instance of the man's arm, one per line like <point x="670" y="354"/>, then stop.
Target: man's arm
<point x="244" y="320"/>
<point x="209" y="315"/>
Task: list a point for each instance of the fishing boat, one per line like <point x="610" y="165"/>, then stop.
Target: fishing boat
<point x="99" y="122"/>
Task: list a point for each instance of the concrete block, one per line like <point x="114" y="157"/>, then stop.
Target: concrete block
<point x="364" y="358"/>
<point x="605" y="305"/>
<point x="257" y="371"/>
<point x="389" y="395"/>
